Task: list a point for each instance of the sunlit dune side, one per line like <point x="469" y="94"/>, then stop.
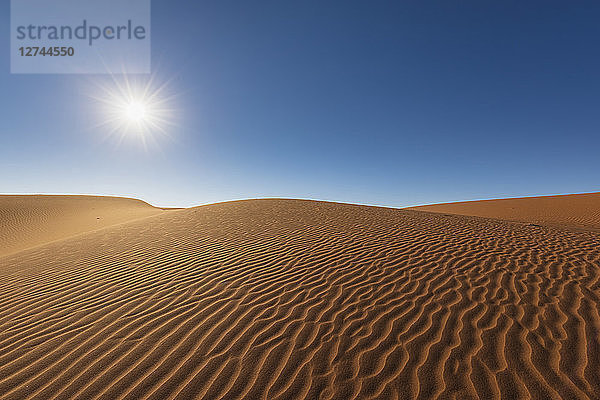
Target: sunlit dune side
<point x="291" y="299"/>
<point x="31" y="220"/>
<point x="573" y="210"/>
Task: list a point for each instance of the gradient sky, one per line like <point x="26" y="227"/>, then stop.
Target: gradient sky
<point x="391" y="103"/>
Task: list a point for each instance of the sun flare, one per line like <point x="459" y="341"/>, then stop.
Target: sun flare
<point x="133" y="109"/>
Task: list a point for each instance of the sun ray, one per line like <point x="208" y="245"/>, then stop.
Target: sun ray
<point x="135" y="108"/>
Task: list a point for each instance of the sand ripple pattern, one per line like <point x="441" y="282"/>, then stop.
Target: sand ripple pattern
<point x="286" y="299"/>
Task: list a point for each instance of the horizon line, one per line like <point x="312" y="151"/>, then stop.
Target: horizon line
<point x="294" y="198"/>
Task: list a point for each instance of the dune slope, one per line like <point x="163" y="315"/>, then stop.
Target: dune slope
<point x="573" y="210"/>
<point x="31" y="220"/>
<point x="290" y="299"/>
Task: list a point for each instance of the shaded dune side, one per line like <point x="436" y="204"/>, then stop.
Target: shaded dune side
<point x="31" y="220"/>
<point x="286" y="299"/>
<point x="571" y="210"/>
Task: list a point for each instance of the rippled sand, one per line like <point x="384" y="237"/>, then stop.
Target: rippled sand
<point x="269" y="299"/>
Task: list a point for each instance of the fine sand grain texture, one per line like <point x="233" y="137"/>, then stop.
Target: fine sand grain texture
<point x="572" y="210"/>
<point x="291" y="299"/>
<point x="27" y="221"/>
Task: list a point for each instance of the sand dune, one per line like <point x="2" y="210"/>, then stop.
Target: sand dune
<point x="29" y="221"/>
<point x="290" y="299"/>
<point x="573" y="210"/>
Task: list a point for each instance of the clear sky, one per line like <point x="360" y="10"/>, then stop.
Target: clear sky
<point x="391" y="103"/>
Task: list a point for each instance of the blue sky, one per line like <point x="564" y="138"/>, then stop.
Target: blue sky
<point x="388" y="103"/>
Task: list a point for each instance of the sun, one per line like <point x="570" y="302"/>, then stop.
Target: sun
<point x="135" y="110"/>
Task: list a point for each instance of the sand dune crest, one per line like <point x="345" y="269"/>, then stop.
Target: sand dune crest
<point x="572" y="210"/>
<point x="29" y="221"/>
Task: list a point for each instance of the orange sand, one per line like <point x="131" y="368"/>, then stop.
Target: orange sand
<point x="291" y="299"/>
<point x="29" y="221"/>
<point x="572" y="210"/>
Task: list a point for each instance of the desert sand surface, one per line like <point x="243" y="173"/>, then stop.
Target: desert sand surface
<point x="31" y="220"/>
<point x="294" y="299"/>
<point x="572" y="210"/>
